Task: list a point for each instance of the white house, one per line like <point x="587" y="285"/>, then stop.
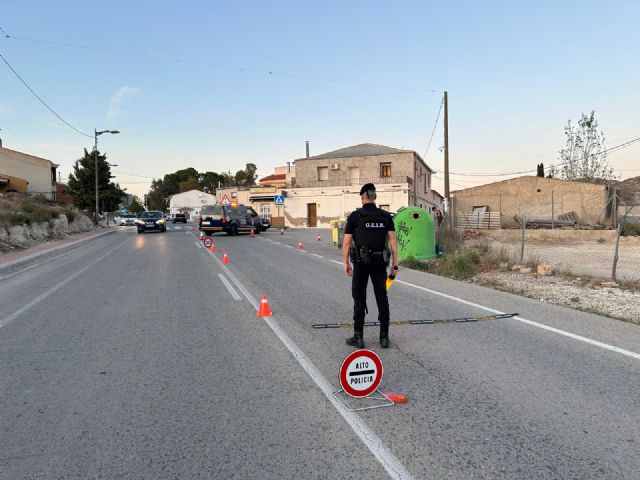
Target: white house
<point x="190" y="203"/>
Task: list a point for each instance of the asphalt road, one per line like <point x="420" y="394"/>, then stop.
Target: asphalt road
<point x="141" y="357"/>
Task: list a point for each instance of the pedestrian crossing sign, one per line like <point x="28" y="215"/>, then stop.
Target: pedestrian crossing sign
<point x="225" y="200"/>
<point x="278" y="200"/>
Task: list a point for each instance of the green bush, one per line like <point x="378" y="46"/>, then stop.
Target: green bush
<point x="630" y="229"/>
<point x="39" y="214"/>
<point x="15" y="218"/>
<point x="70" y="214"/>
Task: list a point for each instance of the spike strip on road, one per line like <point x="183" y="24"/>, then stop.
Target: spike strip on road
<point x="419" y="322"/>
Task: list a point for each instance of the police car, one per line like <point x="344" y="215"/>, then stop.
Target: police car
<point x="230" y="219"/>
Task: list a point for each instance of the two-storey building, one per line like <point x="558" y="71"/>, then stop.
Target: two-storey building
<point x="21" y="171"/>
<point x="326" y="187"/>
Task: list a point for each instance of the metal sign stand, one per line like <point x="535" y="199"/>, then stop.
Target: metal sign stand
<point x="353" y="404"/>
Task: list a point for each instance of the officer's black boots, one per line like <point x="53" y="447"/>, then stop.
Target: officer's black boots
<point x="356" y="340"/>
<point x="384" y="337"/>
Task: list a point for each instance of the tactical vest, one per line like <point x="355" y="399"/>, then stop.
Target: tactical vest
<point x="371" y="229"/>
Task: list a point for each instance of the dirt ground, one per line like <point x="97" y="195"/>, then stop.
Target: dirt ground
<point x="594" y="258"/>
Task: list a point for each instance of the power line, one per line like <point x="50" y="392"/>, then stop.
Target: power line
<point x="13" y="134"/>
<point x="215" y="65"/>
<point x="616" y="147"/>
<point x="434" y="129"/>
<point x="133" y="174"/>
<point x="41" y="100"/>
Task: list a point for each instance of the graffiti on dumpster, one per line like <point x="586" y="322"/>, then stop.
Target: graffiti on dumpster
<point x="403" y="234"/>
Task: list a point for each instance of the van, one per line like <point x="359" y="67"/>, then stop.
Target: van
<point x="232" y="220"/>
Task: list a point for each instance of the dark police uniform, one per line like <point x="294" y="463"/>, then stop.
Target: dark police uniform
<point x="369" y="226"/>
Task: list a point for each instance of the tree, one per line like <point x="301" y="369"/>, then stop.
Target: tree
<point x="540" y="170"/>
<point x="584" y="157"/>
<point x="82" y="183"/>
<point x="246" y="177"/>
<point x="136" y="206"/>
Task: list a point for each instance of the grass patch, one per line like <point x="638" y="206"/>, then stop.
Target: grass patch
<point x="23" y="209"/>
<point x="463" y="263"/>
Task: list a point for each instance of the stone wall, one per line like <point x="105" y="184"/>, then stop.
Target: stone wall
<point x="22" y="236"/>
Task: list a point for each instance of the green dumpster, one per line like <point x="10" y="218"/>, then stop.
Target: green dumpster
<point x="416" y="233"/>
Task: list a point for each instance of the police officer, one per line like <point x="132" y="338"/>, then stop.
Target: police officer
<point x="365" y="239"/>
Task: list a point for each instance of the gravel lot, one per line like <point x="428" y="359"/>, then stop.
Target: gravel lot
<point x="579" y="258"/>
<point x="603" y="298"/>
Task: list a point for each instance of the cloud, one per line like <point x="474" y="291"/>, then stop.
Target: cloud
<point x="118" y="100"/>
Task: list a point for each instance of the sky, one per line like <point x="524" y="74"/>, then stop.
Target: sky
<point x="215" y="85"/>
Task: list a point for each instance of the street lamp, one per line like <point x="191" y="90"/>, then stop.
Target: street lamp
<point x="95" y="156"/>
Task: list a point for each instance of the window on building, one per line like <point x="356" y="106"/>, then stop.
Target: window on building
<point x="265" y="210"/>
<point x="385" y="169"/>
<point x="323" y="173"/>
<point x="384" y="207"/>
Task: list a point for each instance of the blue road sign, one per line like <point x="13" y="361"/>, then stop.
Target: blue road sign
<point x="278" y="200"/>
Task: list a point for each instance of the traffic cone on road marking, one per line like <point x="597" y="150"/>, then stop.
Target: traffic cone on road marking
<point x="397" y="398"/>
<point x="264" y="310"/>
<point x="225" y="259"/>
<point x="201" y="237"/>
<point x="318" y="237"/>
<point x="282" y="231"/>
<point x="252" y="233"/>
<point x="299" y="245"/>
<point x="212" y="248"/>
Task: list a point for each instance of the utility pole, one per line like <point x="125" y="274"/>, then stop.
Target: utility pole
<point x="447" y="198"/>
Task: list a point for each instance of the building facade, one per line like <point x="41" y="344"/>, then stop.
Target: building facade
<point x="535" y="198"/>
<point x="190" y="203"/>
<point x="38" y="173"/>
<point x="326" y="187"/>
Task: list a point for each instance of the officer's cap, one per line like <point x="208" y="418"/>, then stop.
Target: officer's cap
<point x="367" y="187"/>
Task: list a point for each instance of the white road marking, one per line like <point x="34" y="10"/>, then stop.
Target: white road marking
<point x="226" y="283"/>
<point x="316" y="255"/>
<point x="288" y="246"/>
<point x="388" y="460"/>
<point x="61" y="284"/>
<point x="580" y="338"/>
<point x="198" y="244"/>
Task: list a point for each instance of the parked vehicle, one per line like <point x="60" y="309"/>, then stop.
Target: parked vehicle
<point x="266" y="223"/>
<point x="151" y="220"/>
<point x="232" y="220"/>
<point x="179" y="217"/>
<point x="128" y="219"/>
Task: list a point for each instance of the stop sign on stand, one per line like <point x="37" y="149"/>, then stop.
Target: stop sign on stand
<point x="360" y="375"/>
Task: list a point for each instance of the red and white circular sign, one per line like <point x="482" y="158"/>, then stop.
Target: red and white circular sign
<point x="361" y="373"/>
<point x="208" y="242"/>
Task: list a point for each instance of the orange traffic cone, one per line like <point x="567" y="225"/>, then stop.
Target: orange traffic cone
<point x="264" y="310"/>
<point x="201" y="237"/>
<point x="252" y="234"/>
<point x="397" y="398"/>
<point x="225" y="259"/>
<point x="212" y="248"/>
<point x="300" y="246"/>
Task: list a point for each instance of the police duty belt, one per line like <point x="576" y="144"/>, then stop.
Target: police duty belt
<point x="431" y="321"/>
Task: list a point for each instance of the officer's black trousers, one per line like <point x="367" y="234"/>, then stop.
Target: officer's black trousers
<point x="378" y="272"/>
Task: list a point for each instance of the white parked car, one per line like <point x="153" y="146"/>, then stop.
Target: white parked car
<point x="128" y="220"/>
